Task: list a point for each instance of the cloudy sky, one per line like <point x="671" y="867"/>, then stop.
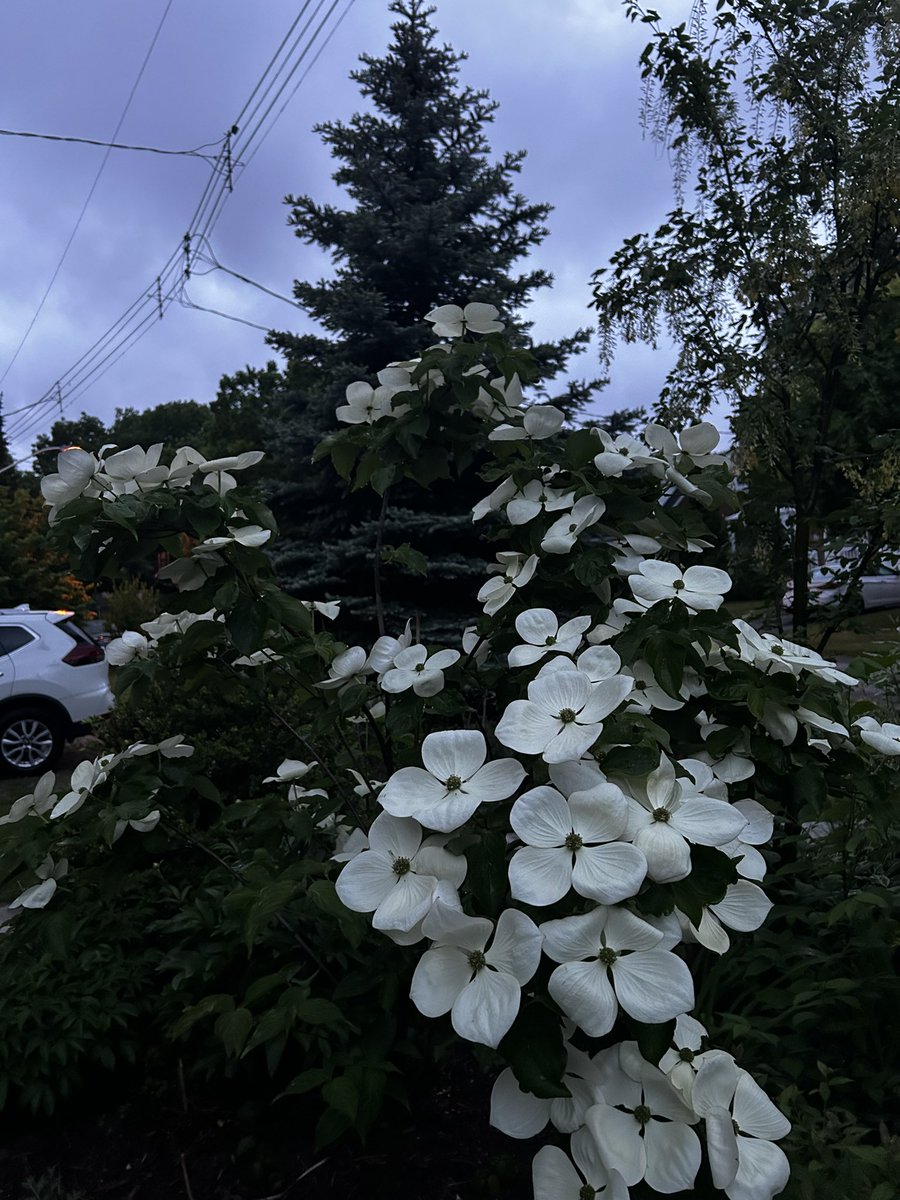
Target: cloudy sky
<point x="565" y="74"/>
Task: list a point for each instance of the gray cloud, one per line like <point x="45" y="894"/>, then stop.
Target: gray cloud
<point x="565" y="74"/>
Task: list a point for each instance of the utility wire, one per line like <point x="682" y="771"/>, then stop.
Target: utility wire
<point x="187" y="302"/>
<point x="197" y="152"/>
<point x="91" y="191"/>
<point x="168" y="286"/>
<point x="296" y="86"/>
<point x="210" y="257"/>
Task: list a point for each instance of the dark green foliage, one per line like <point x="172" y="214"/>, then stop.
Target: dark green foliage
<point x="777" y="272"/>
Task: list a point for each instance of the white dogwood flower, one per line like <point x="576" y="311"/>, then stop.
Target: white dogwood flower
<point x="883" y="738"/>
<point x="217" y="471"/>
<point x="563" y="715"/>
<point x="543" y="635"/>
<point x="620" y="454"/>
<point x="744" y="907"/>
<point x="647" y="693"/>
<point x="74" y="477"/>
<point x="451" y="321"/>
<point x="350" y="666"/>
<point x="124" y="649"/>
<point x="699" y="588"/>
<point x="479" y="986"/>
<point x="512" y="571"/>
<point x="85" y="778"/>
<point x="642" y="1127"/>
<point x="536" y="498"/>
<point x="415" y="668"/>
<point x="554" y="1177"/>
<point x="667" y="813"/>
<point x="573" y="843"/>
<point x="538" y="422"/>
<point x="756" y="832"/>
<point x="496" y="500"/>
<point x="396" y="876"/>
<point x="366" y="404"/>
<point x="611" y="958"/>
<point x="564" y="532"/>
<point x="455" y="781"/>
<point x="769" y="653"/>
<point x="521" y="1114"/>
<point x="742" y="1126"/>
<point x="40" y="894"/>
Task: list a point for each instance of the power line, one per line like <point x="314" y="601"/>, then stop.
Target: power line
<point x="168" y="285"/>
<point x="187" y="302"/>
<point x="215" y="265"/>
<point x="197" y="152"/>
<point x="91" y="191"/>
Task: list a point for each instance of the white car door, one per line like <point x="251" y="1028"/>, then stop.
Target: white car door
<point x="7" y="669"/>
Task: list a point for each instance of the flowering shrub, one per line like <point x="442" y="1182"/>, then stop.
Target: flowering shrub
<point x="553" y="816"/>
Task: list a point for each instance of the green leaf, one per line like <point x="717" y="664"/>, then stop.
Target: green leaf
<point x="404" y="556"/>
<point x="535" y="1049"/>
<point x="234" y="1029"/>
<point x="344" y="454"/>
<point x="487" y="878"/>
<point x="581" y="448"/>
<point x="246" y="625"/>
<point x="592" y="567"/>
<point x="319" y="1012"/>
<point x="711" y="873"/>
<point x="653" y="1040"/>
<point x="809" y="788"/>
<point x="306" y="1081"/>
<point x="630" y="760"/>
<point x="343" y="1095"/>
<point x="665" y="657"/>
<point x="219" y="1003"/>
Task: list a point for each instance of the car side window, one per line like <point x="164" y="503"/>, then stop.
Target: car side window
<point x="14" y="637"/>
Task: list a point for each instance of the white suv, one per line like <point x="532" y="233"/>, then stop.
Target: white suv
<point x="53" y="676"/>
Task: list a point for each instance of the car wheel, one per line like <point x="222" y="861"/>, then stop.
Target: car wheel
<point x="31" y="741"/>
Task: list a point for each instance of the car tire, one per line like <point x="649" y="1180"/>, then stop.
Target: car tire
<point x="31" y="741"/>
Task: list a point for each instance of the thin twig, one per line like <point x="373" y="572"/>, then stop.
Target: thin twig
<point x="187" y="1181"/>
<point x="376" y="565"/>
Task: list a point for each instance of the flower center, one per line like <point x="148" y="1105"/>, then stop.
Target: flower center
<point x="661" y="814"/>
<point x="401" y="866"/>
<point x="587" y="1192"/>
<point x="642" y="1114"/>
<point x="420" y="666"/>
<point x="567" y="715"/>
<point x="453" y="784"/>
<point x="686" y="1055"/>
<point x="678" y="585"/>
<point x="477" y="961"/>
<point x="550" y="641"/>
<point x="778" y="650"/>
<point x="607" y="956"/>
<point x="573" y="841"/>
<point x="640" y="686"/>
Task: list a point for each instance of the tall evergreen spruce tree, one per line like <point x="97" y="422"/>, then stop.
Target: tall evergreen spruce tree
<point x="433" y="220"/>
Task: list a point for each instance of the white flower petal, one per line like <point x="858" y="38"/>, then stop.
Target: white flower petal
<point x="486" y="1008"/>
<point x="516" y="1113"/>
<point x="673" y="1156"/>
<point x="584" y="993"/>
<point x="653" y="985"/>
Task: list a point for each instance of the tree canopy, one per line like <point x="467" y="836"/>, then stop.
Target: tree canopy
<point x="777" y="272"/>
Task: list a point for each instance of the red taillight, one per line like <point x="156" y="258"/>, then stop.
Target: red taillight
<point x="84" y="652"/>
